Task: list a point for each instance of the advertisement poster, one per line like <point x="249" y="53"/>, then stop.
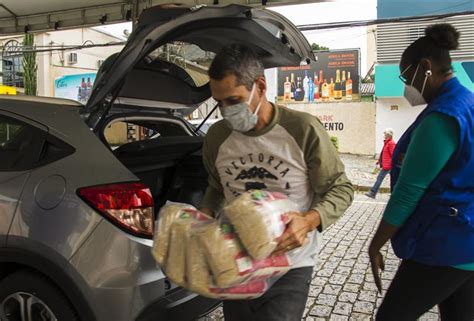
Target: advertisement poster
<point x="75" y="87"/>
<point x="333" y="77"/>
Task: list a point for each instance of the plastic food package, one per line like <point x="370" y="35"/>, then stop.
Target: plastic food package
<point x="259" y="217"/>
<point x="168" y="214"/>
<point x="206" y="256"/>
<point x="172" y="231"/>
<point x="227" y="259"/>
<point x="197" y="270"/>
<point x="200" y="279"/>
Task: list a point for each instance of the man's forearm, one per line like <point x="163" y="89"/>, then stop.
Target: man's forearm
<point x="334" y="203"/>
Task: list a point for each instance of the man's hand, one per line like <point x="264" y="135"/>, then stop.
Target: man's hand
<point x="377" y="264"/>
<point x="297" y="231"/>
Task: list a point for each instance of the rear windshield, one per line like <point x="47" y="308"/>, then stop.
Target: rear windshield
<point x="189" y="57"/>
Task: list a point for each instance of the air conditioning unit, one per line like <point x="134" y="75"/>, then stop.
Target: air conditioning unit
<point x="100" y="62"/>
<point x="72" y="58"/>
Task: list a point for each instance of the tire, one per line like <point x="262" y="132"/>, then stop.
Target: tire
<point x="36" y="292"/>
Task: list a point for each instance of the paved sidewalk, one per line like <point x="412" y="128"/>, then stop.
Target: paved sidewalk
<point x="359" y="170"/>
<point x="342" y="286"/>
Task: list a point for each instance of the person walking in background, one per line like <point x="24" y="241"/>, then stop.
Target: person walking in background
<point x="385" y="161"/>
<point x="430" y="214"/>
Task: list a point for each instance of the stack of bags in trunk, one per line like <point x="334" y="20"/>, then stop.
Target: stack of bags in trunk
<point x="224" y="260"/>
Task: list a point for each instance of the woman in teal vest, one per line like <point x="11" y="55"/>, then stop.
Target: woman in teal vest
<point x="430" y="215"/>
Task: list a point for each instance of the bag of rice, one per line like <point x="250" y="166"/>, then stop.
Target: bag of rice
<point x="197" y="270"/>
<point x="227" y="260"/>
<point x="259" y="218"/>
<point x="167" y="215"/>
<point x="178" y="221"/>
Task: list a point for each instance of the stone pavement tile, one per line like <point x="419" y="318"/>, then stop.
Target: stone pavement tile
<point x="360" y="317"/>
<point x="360" y="271"/>
<point x="310" y="302"/>
<point x="337" y="317"/>
<point x="360" y="266"/>
<point x="343" y="270"/>
<point x="348" y="263"/>
<point x="370" y="286"/>
<point x="388" y="275"/>
<point x="320" y="280"/>
<point x="364" y="307"/>
<point x="343" y="308"/>
<point x="320" y="311"/>
<point x="325" y="272"/>
<point x="379" y="301"/>
<point x="352" y="287"/>
<point x="429" y="317"/>
<point x="356" y="278"/>
<point x="315" y="290"/>
<point x="331" y="265"/>
<point x="332" y="289"/>
<point x="369" y="296"/>
<point x="337" y="278"/>
<point x="326" y="299"/>
<point x="348" y="297"/>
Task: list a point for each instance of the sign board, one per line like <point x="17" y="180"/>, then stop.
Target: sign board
<point x="76" y="87"/>
<point x="333" y="76"/>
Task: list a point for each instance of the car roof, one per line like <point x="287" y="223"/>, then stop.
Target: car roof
<point x="41" y="99"/>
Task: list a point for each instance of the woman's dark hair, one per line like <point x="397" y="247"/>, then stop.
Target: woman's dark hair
<point x="439" y="39"/>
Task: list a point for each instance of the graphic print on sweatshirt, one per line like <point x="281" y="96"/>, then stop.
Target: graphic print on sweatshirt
<point x="272" y="161"/>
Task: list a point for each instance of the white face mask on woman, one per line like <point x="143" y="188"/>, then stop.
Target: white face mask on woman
<point x="411" y="94"/>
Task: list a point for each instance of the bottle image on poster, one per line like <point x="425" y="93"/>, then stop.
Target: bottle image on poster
<point x="343" y="84"/>
<point x="293" y="86"/>
<point x="287" y="89"/>
<point x="306" y="82"/>
<point x="349" y="86"/>
<point x="331" y="89"/>
<point x="325" y="90"/>
<point x="337" y="64"/>
<point x="310" y="93"/>
<point x="338" y="86"/>
<point x="316" y="87"/>
<point x="299" y="93"/>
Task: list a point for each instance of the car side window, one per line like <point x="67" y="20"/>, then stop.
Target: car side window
<point x="20" y="144"/>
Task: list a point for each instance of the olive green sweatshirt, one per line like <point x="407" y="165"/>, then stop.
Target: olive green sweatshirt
<point x="292" y="155"/>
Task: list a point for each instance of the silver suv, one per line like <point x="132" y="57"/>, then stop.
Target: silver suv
<point x="79" y="197"/>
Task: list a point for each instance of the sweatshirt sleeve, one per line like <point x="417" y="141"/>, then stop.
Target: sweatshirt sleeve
<point x="333" y="191"/>
<point x="431" y="147"/>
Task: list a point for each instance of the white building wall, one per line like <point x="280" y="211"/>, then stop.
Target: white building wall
<point x="393" y="113"/>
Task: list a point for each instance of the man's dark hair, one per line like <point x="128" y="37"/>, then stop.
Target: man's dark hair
<point x="237" y="60"/>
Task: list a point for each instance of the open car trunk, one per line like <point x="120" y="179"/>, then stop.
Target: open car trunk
<point x="135" y="81"/>
<point x="171" y="166"/>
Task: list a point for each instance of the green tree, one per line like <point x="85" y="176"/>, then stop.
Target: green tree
<point x="30" y="67"/>
<point x="316" y="47"/>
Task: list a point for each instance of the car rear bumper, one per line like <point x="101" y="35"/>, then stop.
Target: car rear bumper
<point x="180" y="305"/>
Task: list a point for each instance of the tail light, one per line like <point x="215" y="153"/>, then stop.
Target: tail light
<point x="128" y="205"/>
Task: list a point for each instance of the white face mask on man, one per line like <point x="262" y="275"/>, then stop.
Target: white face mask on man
<point x="411" y="94"/>
<point x="239" y="117"/>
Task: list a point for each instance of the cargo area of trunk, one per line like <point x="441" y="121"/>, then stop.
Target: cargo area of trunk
<point x="171" y="167"/>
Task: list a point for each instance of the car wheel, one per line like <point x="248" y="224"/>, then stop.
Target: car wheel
<point x="28" y="296"/>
